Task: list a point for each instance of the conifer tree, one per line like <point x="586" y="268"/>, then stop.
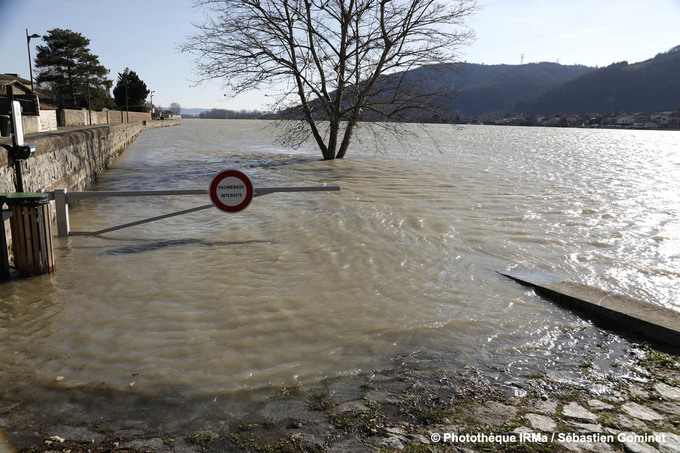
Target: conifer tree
<point x="136" y="93"/>
<point x="66" y="68"/>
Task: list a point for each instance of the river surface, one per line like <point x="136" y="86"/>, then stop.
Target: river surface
<point x="303" y="286"/>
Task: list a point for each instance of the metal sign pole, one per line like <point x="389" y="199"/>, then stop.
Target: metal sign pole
<point x="17" y="136"/>
<point x="4" y="252"/>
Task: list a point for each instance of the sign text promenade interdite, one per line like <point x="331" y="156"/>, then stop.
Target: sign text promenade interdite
<point x="231" y="191"/>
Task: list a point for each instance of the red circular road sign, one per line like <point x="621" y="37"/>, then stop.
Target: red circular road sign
<point x="231" y="191"/>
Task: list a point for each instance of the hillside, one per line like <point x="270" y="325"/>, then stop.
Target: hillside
<point x="652" y="86"/>
<point x="477" y="89"/>
<point x="496" y="89"/>
<point x="481" y="90"/>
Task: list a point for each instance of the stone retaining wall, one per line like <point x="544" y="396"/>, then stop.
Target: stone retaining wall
<point x="81" y="117"/>
<point x="48" y="120"/>
<point x="72" y="117"/>
<point x="71" y="158"/>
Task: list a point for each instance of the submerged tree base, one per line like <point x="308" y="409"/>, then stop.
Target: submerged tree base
<point x="339" y="60"/>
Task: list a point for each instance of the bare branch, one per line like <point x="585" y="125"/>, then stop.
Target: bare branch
<point x="340" y="58"/>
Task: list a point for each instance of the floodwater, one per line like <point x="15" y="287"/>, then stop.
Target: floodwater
<point x="304" y="286"/>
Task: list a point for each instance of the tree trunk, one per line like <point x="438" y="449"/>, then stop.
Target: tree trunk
<point x="346" y="138"/>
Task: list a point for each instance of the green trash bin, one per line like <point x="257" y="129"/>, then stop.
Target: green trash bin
<point x="4" y="126"/>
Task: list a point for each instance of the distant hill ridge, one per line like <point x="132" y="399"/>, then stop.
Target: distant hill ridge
<point x="496" y="89"/>
<point x="550" y="88"/>
<point x="649" y="86"/>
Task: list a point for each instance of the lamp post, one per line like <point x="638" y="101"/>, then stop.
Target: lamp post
<point x="89" y="104"/>
<point x="127" y="107"/>
<point x="151" y="94"/>
<point x="30" y="63"/>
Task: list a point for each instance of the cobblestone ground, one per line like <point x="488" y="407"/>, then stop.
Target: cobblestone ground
<point x="416" y="407"/>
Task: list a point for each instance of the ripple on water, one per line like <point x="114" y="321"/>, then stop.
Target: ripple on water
<point x="301" y="286"/>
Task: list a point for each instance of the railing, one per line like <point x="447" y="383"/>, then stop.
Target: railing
<point x="62" y="198"/>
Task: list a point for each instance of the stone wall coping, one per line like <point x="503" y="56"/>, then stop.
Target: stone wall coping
<point x="46" y="142"/>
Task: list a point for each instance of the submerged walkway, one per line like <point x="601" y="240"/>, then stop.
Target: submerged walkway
<point x="414" y="407"/>
<point x="623" y="314"/>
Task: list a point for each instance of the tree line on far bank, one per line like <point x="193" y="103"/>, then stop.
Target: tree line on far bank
<point x="225" y="114"/>
<point x="71" y="76"/>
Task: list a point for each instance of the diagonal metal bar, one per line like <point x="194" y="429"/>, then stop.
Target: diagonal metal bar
<point x="260" y="191"/>
<point x="140" y="222"/>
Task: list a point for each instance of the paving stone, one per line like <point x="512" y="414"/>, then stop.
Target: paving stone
<point x="542" y="422"/>
<point x="181" y="446"/>
<point x="630" y="423"/>
<point x="667" y="391"/>
<point x="595" y="447"/>
<point x="587" y="427"/>
<point x="545" y="407"/>
<point x="77" y="434"/>
<point x="637" y="447"/>
<point x="155" y="444"/>
<point x="343" y="390"/>
<point x="380" y="396"/>
<point x="454" y="429"/>
<point x="309" y="442"/>
<point x="494" y="413"/>
<point x="670" y="444"/>
<point x="574" y="410"/>
<point x="672" y="409"/>
<point x="392" y="442"/>
<point x="351" y="445"/>
<point x="130" y="433"/>
<point x="350" y="406"/>
<point x="638" y="391"/>
<point x="599" y="405"/>
<point x="641" y="412"/>
<point x="290" y="409"/>
<point x="418" y="438"/>
<point x="395" y="431"/>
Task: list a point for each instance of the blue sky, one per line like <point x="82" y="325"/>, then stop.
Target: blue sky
<point x="144" y="35"/>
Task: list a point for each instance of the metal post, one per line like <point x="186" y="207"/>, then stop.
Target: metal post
<point x="61" y="208"/>
<point x="30" y="63"/>
<point x="4" y="252"/>
<point x="19" y="184"/>
<point x="89" y="104"/>
<point x="127" y="107"/>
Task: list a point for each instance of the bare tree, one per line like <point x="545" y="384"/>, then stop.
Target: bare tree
<point x="175" y="108"/>
<point x="338" y="59"/>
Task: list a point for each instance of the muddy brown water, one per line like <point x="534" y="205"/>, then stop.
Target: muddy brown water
<point x="302" y="287"/>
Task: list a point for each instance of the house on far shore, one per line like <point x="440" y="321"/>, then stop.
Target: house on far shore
<point x="625" y="121"/>
<point x="36" y="117"/>
<point x="667" y="120"/>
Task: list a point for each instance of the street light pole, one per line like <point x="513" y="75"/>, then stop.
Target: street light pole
<point x="28" y="46"/>
<point x="89" y="104"/>
<point x="151" y="94"/>
<point x="127" y="107"/>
